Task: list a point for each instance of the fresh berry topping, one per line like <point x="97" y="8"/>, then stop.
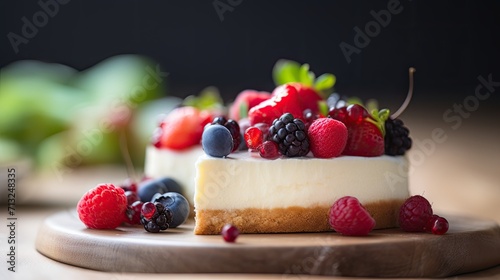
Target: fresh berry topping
<point x="177" y="204"/>
<point x="134" y="213"/>
<point x="415" y="214"/>
<point x="364" y="140"/>
<point x="356" y="113"/>
<point x="269" y="150"/>
<point x="339" y="114"/>
<point x="219" y="120"/>
<point x="129" y="185"/>
<point x="348" y="217"/>
<point x="149" y="188"/>
<point x="181" y="129"/>
<point x="335" y="101"/>
<point x="131" y="197"/>
<point x="365" y="131"/>
<point x="253" y="137"/>
<point x="234" y="129"/>
<point x="156" y="217"/>
<point x="439" y="226"/>
<point x="309" y="117"/>
<point x="230" y="233"/>
<point x="291" y="98"/>
<point x="290" y="135"/>
<point x="327" y="137"/>
<point x="217" y="141"/>
<point x="103" y="207"/>
<point x="245" y="101"/>
<point x="396" y="139"/>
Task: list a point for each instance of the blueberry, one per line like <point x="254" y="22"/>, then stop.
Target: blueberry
<point x="149" y="188"/>
<point x="177" y="204"/>
<point x="217" y="141"/>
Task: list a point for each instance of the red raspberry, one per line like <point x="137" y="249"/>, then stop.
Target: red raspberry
<point x="348" y="217"/>
<point x="103" y="207"/>
<point x="327" y="137"/>
<point x="414" y="214"/>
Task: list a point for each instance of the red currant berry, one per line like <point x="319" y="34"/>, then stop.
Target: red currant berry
<point x="129" y="185"/>
<point x="253" y="137"/>
<point x="148" y="210"/>
<point x="230" y="233"/>
<point x="134" y="213"/>
<point x="356" y="113"/>
<point x="440" y="226"/>
<point x="131" y="197"/>
<point x="269" y="150"/>
<point x="339" y="114"/>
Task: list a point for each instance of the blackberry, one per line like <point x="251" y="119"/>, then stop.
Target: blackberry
<point x="290" y="135"/>
<point x="397" y="140"/>
<point x="157" y="218"/>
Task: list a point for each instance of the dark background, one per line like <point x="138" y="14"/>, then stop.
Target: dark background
<point x="450" y="43"/>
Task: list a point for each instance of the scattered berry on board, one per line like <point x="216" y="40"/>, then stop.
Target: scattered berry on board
<point x="416" y="215"/>
<point x="155" y="217"/>
<point x="230" y="233"/>
<point x="149" y="188"/>
<point x="348" y="217"/>
<point x="177" y="204"/>
<point x="439" y="226"/>
<point x="103" y="207"/>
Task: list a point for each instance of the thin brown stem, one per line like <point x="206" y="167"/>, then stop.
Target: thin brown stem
<point x="405" y="104"/>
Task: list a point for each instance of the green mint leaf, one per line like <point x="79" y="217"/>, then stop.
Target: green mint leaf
<point x="325" y="82"/>
<point x="286" y="71"/>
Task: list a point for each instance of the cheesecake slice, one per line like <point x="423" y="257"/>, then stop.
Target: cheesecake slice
<point x="294" y="194"/>
<point x="178" y="165"/>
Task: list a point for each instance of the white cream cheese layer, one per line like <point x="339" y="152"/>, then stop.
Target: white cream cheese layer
<point x="178" y="165"/>
<point x="243" y="181"/>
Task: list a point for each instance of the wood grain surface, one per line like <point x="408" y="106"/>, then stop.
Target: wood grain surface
<point x="470" y="245"/>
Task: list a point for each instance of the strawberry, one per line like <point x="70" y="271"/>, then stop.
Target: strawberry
<point x="365" y="132"/>
<point x="182" y="128"/>
<point x="245" y="101"/>
<point x="364" y="140"/>
<point x="327" y="137"/>
<point x="291" y="98"/>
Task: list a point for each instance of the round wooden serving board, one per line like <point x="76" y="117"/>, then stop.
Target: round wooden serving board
<point x="468" y="246"/>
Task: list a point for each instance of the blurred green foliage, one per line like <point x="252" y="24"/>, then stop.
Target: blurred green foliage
<point x="63" y="118"/>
